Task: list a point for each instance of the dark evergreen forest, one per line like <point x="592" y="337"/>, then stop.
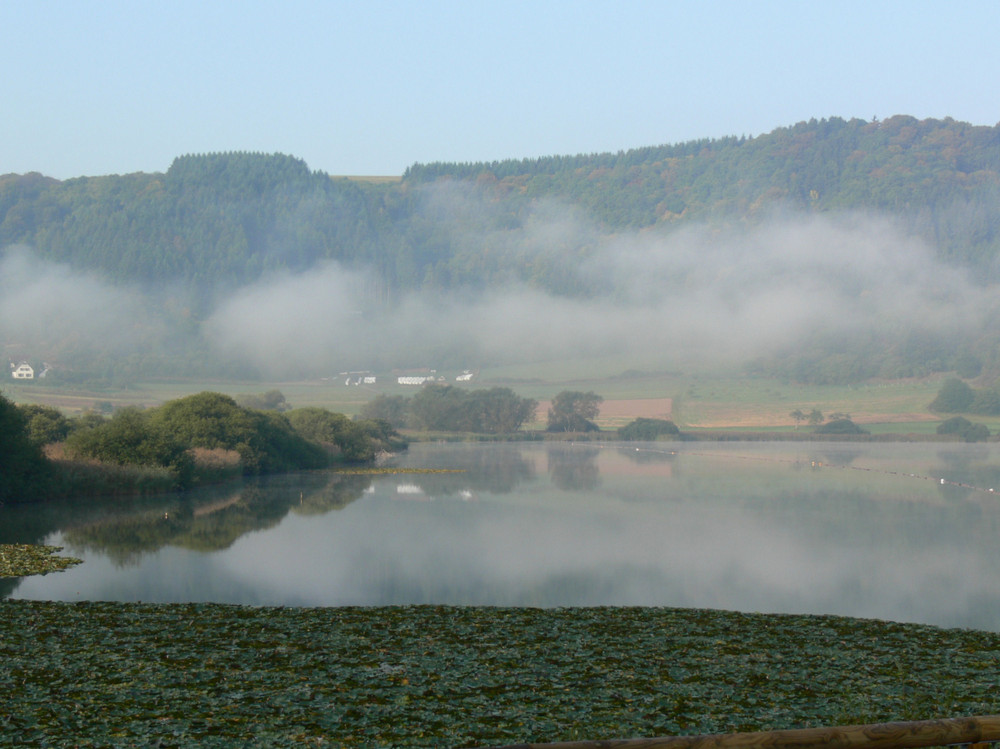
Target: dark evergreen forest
<point x="214" y="223"/>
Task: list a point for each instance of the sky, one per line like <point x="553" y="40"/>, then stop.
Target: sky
<point x="107" y="87"/>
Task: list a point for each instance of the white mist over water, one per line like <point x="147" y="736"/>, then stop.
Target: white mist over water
<point x="704" y="528"/>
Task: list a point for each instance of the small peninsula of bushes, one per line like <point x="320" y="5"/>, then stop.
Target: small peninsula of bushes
<point x="197" y="439"/>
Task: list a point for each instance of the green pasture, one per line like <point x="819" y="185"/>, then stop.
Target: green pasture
<point x="700" y="402"/>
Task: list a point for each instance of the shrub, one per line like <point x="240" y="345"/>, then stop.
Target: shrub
<point x="986" y="402"/>
<point x="265" y="440"/>
<point x="320" y="425"/>
<point x="130" y="437"/>
<point x="964" y="429"/>
<point x="954" y="396"/>
<point x="45" y="424"/>
<point x="24" y="471"/>
<point x="390" y="408"/>
<point x="647" y="430"/>
<point x="840" y="426"/>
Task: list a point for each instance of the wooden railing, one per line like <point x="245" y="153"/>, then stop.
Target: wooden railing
<point x="976" y="731"/>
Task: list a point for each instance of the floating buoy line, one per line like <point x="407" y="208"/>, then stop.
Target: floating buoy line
<point x="790" y="461"/>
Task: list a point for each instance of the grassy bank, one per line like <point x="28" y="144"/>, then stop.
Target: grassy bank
<point x="103" y="674"/>
<point x="718" y="401"/>
<point x="91" y="478"/>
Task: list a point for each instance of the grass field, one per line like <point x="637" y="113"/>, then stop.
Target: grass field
<point x="695" y="403"/>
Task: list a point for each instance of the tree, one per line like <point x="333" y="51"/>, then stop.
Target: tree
<point x="449" y="408"/>
<point x="320" y="425"/>
<point x="964" y="429"/>
<point x="440" y="408"/>
<point x="265" y="440"/>
<point x="968" y="365"/>
<point x="986" y="402"/>
<point x="955" y="396"/>
<point x="647" y="430"/>
<point x="840" y="426"/>
<point x="499" y="410"/>
<point x="45" y="424"/>
<point x="390" y="408"/>
<point x="23" y="468"/>
<point x="131" y="438"/>
<point x="798" y="416"/>
<point x="574" y="411"/>
<point x="272" y="400"/>
<point x="208" y="420"/>
<point x="815" y="417"/>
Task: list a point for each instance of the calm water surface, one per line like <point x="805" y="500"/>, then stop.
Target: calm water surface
<point x="852" y="529"/>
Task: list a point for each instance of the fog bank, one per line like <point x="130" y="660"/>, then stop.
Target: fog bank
<point x="688" y="299"/>
<point x="691" y="299"/>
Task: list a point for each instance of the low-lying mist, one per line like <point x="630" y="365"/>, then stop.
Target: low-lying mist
<point x="687" y="299"/>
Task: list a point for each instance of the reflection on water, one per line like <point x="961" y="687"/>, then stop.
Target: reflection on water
<point x="903" y="532"/>
<point x="574" y="467"/>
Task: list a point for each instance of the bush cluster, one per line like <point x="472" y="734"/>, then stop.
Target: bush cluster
<point x="957" y="396"/>
<point x="964" y="429"/>
<point x="447" y="408"/>
<point x="648" y="430"/>
<point x="157" y="446"/>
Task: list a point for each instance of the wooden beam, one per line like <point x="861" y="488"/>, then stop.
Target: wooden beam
<point x="902" y="735"/>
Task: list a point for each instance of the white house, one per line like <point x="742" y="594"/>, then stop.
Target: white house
<point x="22" y="371"/>
<point x="464" y="377"/>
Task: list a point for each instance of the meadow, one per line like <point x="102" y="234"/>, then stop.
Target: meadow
<point x="722" y="401"/>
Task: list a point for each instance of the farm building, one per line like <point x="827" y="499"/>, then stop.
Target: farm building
<point x="22" y="371"/>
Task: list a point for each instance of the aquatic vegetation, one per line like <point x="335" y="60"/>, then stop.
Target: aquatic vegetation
<point x="87" y="674"/>
<point x="18" y="560"/>
<point x="390" y="470"/>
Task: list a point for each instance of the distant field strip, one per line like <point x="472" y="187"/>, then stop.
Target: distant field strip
<point x="818" y="464"/>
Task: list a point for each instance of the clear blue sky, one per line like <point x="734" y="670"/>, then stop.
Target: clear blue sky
<point x="369" y="87"/>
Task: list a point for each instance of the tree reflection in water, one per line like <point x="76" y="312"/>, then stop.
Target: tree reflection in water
<point x="573" y="467"/>
<point x="210" y="521"/>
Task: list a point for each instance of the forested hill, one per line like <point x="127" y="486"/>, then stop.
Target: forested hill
<point x="230" y="218"/>
<point x="941" y="174"/>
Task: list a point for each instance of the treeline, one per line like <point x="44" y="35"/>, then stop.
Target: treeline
<point x="174" y="446"/>
<point x="957" y="396"/>
<point x="499" y="410"/>
<point x="213" y="222"/>
<point x="942" y="176"/>
<point x="446" y="408"/>
<point x="235" y="216"/>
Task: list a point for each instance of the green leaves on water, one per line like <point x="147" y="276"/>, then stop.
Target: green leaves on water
<point x="215" y="675"/>
<point x="18" y="560"/>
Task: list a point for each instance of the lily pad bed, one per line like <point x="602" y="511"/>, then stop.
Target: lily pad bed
<point x="18" y="560"/>
<point x="106" y="674"/>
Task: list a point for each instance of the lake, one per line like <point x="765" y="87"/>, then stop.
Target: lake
<point x="904" y="532"/>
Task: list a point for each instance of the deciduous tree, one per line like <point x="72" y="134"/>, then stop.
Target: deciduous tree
<point x="574" y="411"/>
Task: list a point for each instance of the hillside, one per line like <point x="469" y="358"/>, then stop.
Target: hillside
<point x="243" y="214"/>
<point x="635" y="238"/>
